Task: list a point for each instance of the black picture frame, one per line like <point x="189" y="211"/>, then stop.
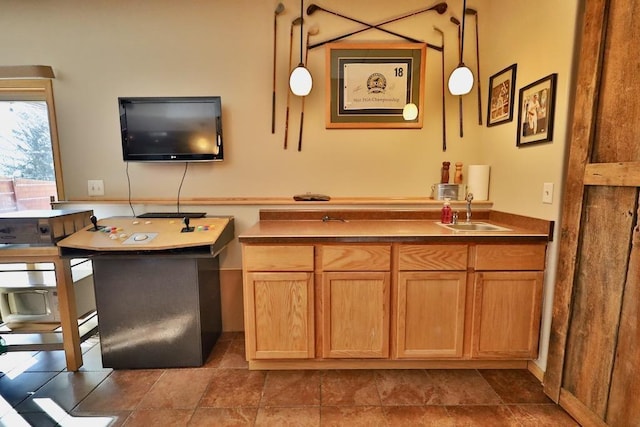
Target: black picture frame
<point x="502" y="92"/>
<point x="536" y="111"/>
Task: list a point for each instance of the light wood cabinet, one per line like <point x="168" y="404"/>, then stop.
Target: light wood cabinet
<point x="356" y="314"/>
<point x="507" y="314"/>
<point x="392" y="304"/>
<point x="430" y="314"/>
<point x="431" y="301"/>
<point x="279" y="303"/>
<point x="507" y="301"/>
<point x="356" y="289"/>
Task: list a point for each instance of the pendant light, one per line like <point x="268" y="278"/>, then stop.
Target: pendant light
<point x="300" y="80"/>
<point x="461" y="79"/>
<point x="410" y="111"/>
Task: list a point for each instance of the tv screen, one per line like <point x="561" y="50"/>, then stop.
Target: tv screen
<point x="165" y="129"/>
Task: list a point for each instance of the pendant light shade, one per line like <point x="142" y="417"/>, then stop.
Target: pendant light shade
<point x="410" y="112"/>
<point x="300" y="80"/>
<point x="461" y="79"/>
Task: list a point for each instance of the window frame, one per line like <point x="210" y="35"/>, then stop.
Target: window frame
<point x="41" y="90"/>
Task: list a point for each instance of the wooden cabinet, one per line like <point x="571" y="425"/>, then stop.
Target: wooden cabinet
<point x="279" y="304"/>
<point x="356" y="289"/>
<point x="507" y="301"/>
<point x="356" y="314"/>
<point x="392" y="304"/>
<point x="430" y="301"/>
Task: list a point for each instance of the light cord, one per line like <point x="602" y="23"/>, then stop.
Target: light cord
<point x="301" y="27"/>
<point x="464" y="8"/>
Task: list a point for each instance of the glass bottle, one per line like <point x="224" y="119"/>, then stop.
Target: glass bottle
<point x="446" y="215"/>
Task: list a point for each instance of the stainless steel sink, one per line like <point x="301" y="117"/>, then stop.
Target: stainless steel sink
<point x="474" y="226"/>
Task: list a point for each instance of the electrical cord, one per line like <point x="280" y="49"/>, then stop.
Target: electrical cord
<point x="184" y="174"/>
<point x="129" y="190"/>
<point x="186" y="166"/>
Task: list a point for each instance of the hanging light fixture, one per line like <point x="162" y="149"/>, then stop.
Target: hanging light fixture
<point x="300" y="80"/>
<point x="410" y="111"/>
<point x="461" y="79"/>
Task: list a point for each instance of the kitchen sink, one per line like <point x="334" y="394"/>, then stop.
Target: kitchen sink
<point x="474" y="226"/>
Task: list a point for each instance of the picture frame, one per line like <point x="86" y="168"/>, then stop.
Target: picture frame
<point x="536" y="111"/>
<point x="368" y="84"/>
<point x="502" y="92"/>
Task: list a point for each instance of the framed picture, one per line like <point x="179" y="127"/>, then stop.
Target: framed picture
<point x="537" y="108"/>
<point x="502" y="91"/>
<point x="368" y="84"/>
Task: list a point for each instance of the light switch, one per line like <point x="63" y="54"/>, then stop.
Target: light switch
<point x="547" y="192"/>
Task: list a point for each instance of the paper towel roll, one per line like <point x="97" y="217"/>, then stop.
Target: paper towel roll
<point x="478" y="181"/>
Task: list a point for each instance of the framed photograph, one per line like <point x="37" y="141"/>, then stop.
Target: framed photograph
<point x="368" y="84"/>
<point x="502" y="91"/>
<point x="536" y="112"/>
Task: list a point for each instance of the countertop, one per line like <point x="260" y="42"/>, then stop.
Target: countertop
<point x="407" y="228"/>
<point x="159" y="234"/>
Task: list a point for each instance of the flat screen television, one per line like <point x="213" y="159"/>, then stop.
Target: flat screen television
<point x="171" y="129"/>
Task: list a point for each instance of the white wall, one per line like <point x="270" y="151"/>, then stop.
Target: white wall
<point x="540" y="38"/>
<point x="104" y="49"/>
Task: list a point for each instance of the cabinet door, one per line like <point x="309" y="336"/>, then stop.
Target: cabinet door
<point x="279" y="315"/>
<point x="430" y="314"/>
<point x="356" y="314"/>
<point x="506" y="316"/>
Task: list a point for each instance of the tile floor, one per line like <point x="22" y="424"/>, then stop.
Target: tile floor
<point x="37" y="390"/>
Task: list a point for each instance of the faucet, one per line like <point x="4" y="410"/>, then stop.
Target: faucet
<point x="469" y="198"/>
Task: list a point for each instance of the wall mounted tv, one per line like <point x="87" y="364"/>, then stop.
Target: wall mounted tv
<point x="171" y="129"/>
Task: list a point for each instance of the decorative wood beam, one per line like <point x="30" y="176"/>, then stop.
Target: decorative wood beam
<point x="623" y="174"/>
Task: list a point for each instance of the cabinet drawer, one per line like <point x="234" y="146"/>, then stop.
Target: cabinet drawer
<point x="510" y="257"/>
<point x="432" y="257"/>
<point x="277" y="258"/>
<point x="356" y="257"/>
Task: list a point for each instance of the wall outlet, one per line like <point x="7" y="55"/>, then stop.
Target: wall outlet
<point x="547" y="192"/>
<point x="95" y="187"/>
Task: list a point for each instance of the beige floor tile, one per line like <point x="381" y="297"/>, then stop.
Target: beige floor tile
<point x="483" y="416"/>
<point x="349" y="387"/>
<point x="230" y="388"/>
<point x="542" y="415"/>
<point x="291" y="388"/>
<point x="234" y="357"/>
<point x="404" y="387"/>
<point x="159" y="417"/>
<point x="307" y="416"/>
<point x="352" y="416"/>
<point x="461" y="387"/>
<point x="223" y="417"/>
<point x="178" y="389"/>
<point x="418" y="416"/>
<point x="121" y="391"/>
<point x="515" y="385"/>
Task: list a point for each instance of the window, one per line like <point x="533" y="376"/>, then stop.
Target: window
<point x="30" y="170"/>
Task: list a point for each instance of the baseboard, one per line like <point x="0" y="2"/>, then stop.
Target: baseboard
<point x="535" y="370"/>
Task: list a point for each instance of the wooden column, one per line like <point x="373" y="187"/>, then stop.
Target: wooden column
<point x="595" y="342"/>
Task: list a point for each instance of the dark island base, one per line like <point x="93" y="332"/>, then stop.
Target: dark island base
<point x="157" y="311"/>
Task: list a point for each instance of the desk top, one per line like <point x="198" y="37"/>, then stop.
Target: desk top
<point x="117" y="234"/>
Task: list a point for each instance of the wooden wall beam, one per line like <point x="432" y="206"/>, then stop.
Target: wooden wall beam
<point x="622" y="174"/>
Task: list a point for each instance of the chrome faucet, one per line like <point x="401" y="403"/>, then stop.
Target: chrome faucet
<point x="469" y="198"/>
